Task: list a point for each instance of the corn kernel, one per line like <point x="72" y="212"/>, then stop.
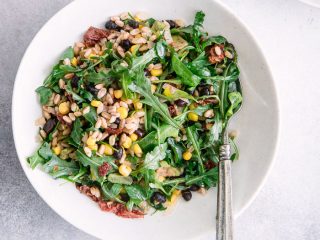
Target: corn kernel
<point x="134" y="137"/>
<point x="137" y="19"/>
<point x="134" y="48"/>
<point x="138" y="105"/>
<point x="57" y="150"/>
<point x="125" y="170"/>
<point x="137" y="150"/>
<point x="123" y="112"/>
<point x="174" y="197"/>
<point x="74" y="62"/>
<point x="127" y="143"/>
<point x="108" y="150"/>
<point x="118" y="93"/>
<point x="156" y="72"/>
<point x="95" y="103"/>
<point x="187" y="155"/>
<point x="64" y="108"/>
<point x="91" y="141"/>
<point x="193" y="116"/>
<point x="93" y="147"/>
<point x="167" y="92"/>
<point x="192" y="106"/>
<point x="153" y="88"/>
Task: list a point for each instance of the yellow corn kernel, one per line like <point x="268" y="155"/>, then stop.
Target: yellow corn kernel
<point x="108" y="150"/>
<point x="137" y="150"/>
<point x="187" y="155"/>
<point x="64" y="108"/>
<point x="57" y="150"/>
<point x="93" y="147"/>
<point x="125" y="170"/>
<point x="137" y="19"/>
<point x="123" y="112"/>
<point x="137" y="105"/>
<point x="193" y="117"/>
<point x="127" y="143"/>
<point x="192" y="106"/>
<point x="167" y="92"/>
<point x="174" y="197"/>
<point x="74" y="62"/>
<point x="153" y="88"/>
<point x="134" y="137"/>
<point x="134" y="48"/>
<point x="95" y="103"/>
<point x="156" y="72"/>
<point x="118" y="93"/>
<point x="91" y="141"/>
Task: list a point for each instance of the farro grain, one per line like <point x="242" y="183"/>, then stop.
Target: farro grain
<point x="104" y="136"/>
<point x="95" y="191"/>
<point x="56" y="99"/>
<point x="135" y="31"/>
<point x="77" y="114"/>
<point x="67" y="119"/>
<point x="99" y="136"/>
<point x="217" y="50"/>
<point x="69" y="76"/>
<point x="102" y="92"/>
<point x="139" y="114"/>
<point x="66" y="61"/>
<point x="66" y="132"/>
<point x="143" y="48"/>
<point x="95" y="134"/>
<point x="123" y="104"/>
<point x="87" y="53"/>
<point x="153" y="38"/>
<point x="99" y="86"/>
<point x="72" y="116"/>
<point x="100" y="108"/>
<point x="110" y="91"/>
<point x="228" y="54"/>
<point x="74" y="107"/>
<point x="120" y="51"/>
<point x="40" y="121"/>
<point x="104" y="123"/>
<point x="122" y="123"/>
<point x="61" y="84"/>
<point x="115" y="18"/>
<point x="112" y="140"/>
<point x="55" y="133"/>
<point x="43" y="133"/>
<point x="106" y="115"/>
<point x="86" y="110"/>
<point x="87" y="151"/>
<point x="209" y="113"/>
<point x="84" y="138"/>
<point x="139" y="40"/>
<point x="54" y="142"/>
<point x="98" y="123"/>
<point x="119" y="23"/>
<point x="113" y="125"/>
<point x="101" y="149"/>
<point x="46" y="115"/>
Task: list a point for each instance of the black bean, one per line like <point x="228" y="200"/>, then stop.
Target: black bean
<point x="139" y="132"/>
<point x="50" y="124"/>
<point x="118" y="153"/>
<point x="172" y="23"/>
<point x="158" y="197"/>
<point x="117" y="121"/>
<point x="111" y="25"/>
<point x="204" y="91"/>
<point x="124" y="197"/>
<point x="180" y="103"/>
<point x="125" y="44"/>
<point x="133" y="23"/>
<point x="194" y="188"/>
<point x="186" y="194"/>
<point x="75" y="82"/>
<point x="91" y="88"/>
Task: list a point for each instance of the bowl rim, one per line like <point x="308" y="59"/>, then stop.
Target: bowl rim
<point x="248" y="32"/>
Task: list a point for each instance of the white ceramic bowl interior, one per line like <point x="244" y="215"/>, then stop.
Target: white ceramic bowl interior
<point x="257" y="123"/>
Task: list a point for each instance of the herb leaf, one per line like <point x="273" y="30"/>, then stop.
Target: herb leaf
<point x="45" y="94"/>
<point x="57" y="167"/>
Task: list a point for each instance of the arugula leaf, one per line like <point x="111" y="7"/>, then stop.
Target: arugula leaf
<point x="45" y="94"/>
<point x="151" y="140"/>
<point x="76" y="132"/>
<point x="211" y="174"/>
<point x="214" y="39"/>
<point x="177" y="150"/>
<point x="152" y="158"/>
<point x="93" y="161"/>
<point x="136" y="193"/>
<point x="57" y="167"/>
<point x="143" y="87"/>
<point x="108" y="194"/>
<point x="45" y="151"/>
<point x="235" y="99"/>
<point x="187" y="77"/>
<point x="68" y="53"/>
<point x="194" y="139"/>
<point x="142" y="61"/>
<point x="116" y="178"/>
<point x="35" y="159"/>
<point x="91" y="116"/>
<point x="197" y="29"/>
<point x="125" y="82"/>
<point x="75" y="96"/>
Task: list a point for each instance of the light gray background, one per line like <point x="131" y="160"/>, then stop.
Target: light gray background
<point x="288" y="205"/>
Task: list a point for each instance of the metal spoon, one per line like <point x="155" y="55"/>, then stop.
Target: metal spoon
<point x="224" y="199"/>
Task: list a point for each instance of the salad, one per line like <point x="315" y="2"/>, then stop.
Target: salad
<point x="133" y="115"/>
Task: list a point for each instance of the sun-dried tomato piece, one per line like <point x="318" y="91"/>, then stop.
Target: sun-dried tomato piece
<point x="104" y="169"/>
<point x="119" y="209"/>
<point x="94" y="35"/>
<point x="114" y="131"/>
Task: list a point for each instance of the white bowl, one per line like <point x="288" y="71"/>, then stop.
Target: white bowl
<point x="257" y="122"/>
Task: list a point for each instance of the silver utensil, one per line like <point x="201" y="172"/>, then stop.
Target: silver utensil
<point x="224" y="199"/>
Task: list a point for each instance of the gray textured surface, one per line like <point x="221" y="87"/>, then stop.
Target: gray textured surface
<point x="288" y="205"/>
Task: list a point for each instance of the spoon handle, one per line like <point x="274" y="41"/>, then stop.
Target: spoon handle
<point x="224" y="201"/>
